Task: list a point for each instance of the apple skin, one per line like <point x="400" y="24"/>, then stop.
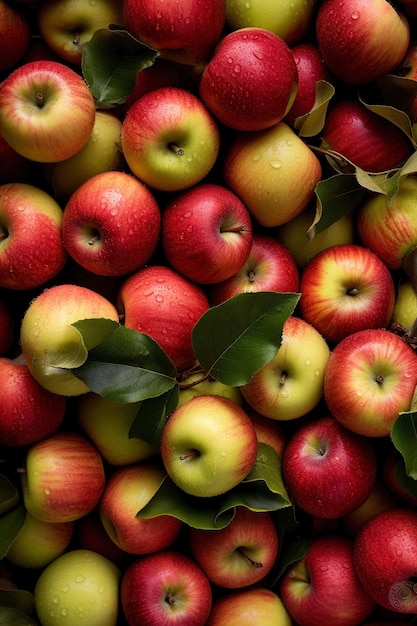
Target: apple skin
<point x="328" y="470"/>
<point x="250" y="82"/>
<point x="90" y="534"/>
<point x="323" y="586"/>
<point x="79" y="587"/>
<point x="395" y="476"/>
<point x="111" y="224"/>
<point x="385" y="557"/>
<point x="264" y="169"/>
<point x="361" y="40"/>
<point x="368" y="140"/>
<point x="15" y="33"/>
<point x="241" y="554"/>
<point x="405" y="308"/>
<point x="208" y="445"/>
<point x="380" y="499"/>
<point x="192" y="385"/>
<point x="269" y="267"/>
<point x="257" y="605"/>
<point x="66" y="26"/>
<point x="346" y="288"/>
<point x="28" y="412"/>
<point x="63" y="478"/>
<point x="47" y="111"/>
<point x="7" y="328"/>
<point x="268" y="431"/>
<point x="291" y="384"/>
<point x="167" y="587"/>
<point x="31" y="249"/>
<point x="169" y="139"/>
<point x="158" y="301"/>
<point x="369" y="379"/>
<point x="49" y="342"/>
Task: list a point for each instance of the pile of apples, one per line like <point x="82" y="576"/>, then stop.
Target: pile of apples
<point x="208" y="274"/>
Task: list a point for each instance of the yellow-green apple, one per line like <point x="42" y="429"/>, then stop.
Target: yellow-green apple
<point x="107" y="424"/>
<point x="323" y="587"/>
<point x="79" y="587"/>
<point x="396" y="478"/>
<point x="257" y="605"/>
<point x="268" y="431"/>
<point x="346" y="288"/>
<point x="101" y="153"/>
<point x="198" y="384"/>
<point x="328" y="470"/>
<point x="51" y="345"/>
<point x="186" y="33"/>
<point x="169" y="139"/>
<point x="66" y="26"/>
<point x="264" y="169"/>
<point x="380" y="499"/>
<point x="206" y="233"/>
<point x="291" y="22"/>
<point x="250" y="81"/>
<point x="158" y="301"/>
<point x="365" y="138"/>
<point x="293" y="234"/>
<point x="128" y="489"/>
<point x="385" y="559"/>
<point x="269" y="267"/>
<point x="208" y="445"/>
<point x="361" y="40"/>
<point x="15" y="33"/>
<point x="63" y="477"/>
<point x="167" y="587"/>
<point x="31" y="249"/>
<point x="7" y="327"/>
<point x="90" y="534"/>
<point x="291" y="384"/>
<point x="240" y="555"/>
<point x="28" y="411"/>
<point x="38" y="543"/>
<point x="404" y="314"/>
<point x="111" y="224"/>
<point x="369" y="379"/>
<point x="47" y="111"/>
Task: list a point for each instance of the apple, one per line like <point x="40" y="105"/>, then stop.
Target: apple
<point x="28" y="411"/>
<point x="111" y="224"/>
<point x="291" y="22"/>
<point x="269" y="267"/>
<point x="365" y="138"/>
<point x="31" y="249"/>
<point x="241" y="554"/>
<point x="346" y="288"/>
<point x="158" y="301"/>
<point x="107" y="424"/>
<point x="404" y="314"/>
<point x="13" y="166"/>
<point x="66" y="25"/>
<point x="167" y="587"/>
<point x="208" y="445"/>
<point x="7" y="328"/>
<point x="379" y="499"/>
<point x="197" y="384"/>
<point x="186" y="33"/>
<point x="385" y="558"/>
<point x="264" y="169"/>
<point x="361" y="40"/>
<point x="47" y="111"/>
<point x="15" y="33"/>
<point x="369" y="378"/>
<point x="128" y="489"/>
<point x="291" y="384"/>
<point x="90" y="534"/>
<point x="257" y="605"/>
<point x="328" y="470"/>
<point x="206" y="233"/>
<point x="38" y="543"/>
<point x="396" y="479"/>
<point x="323" y="587"/>
<point x="250" y="81"/>
<point x="78" y="587"/>
<point x="51" y="345"/>
<point x="268" y="431"/>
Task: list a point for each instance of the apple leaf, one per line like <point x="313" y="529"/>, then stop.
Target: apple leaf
<point x="10" y="524"/>
<point x="9" y="495"/>
<point x="311" y="124"/>
<point x="396" y="116"/>
<point x="10" y="616"/>
<point x="94" y="331"/>
<point x="152" y="415"/>
<point x="127" y="366"/>
<point x="404" y="438"/>
<point x="18" y="599"/>
<point x="110" y="63"/>
<point x="397" y="91"/>
<point x="234" y="339"/>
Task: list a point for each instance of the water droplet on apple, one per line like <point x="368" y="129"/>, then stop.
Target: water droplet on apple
<point x="47" y="491"/>
<point x="64" y="612"/>
<point x="56" y="599"/>
<point x="355" y="15"/>
<point x="236" y="69"/>
<point x="259" y="55"/>
<point x="308" y="361"/>
<point x="276" y="164"/>
<point x="256" y="157"/>
<point x="159" y="298"/>
<point x="79" y="579"/>
<point x="317" y="372"/>
<point x="65" y="588"/>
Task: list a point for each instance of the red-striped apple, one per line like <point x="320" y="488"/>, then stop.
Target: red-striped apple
<point x="257" y="605"/>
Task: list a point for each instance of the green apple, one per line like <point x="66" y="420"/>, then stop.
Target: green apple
<point x="79" y="587"/>
<point x="190" y="387"/>
<point x="50" y="344"/>
<point x="405" y="307"/>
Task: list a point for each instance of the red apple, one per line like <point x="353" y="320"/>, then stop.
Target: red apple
<point x="250" y="81"/>
<point x="268" y="431"/>
<point x="15" y="32"/>
<point x="380" y="499"/>
<point x="400" y="484"/>
<point x="90" y="534"/>
<point x="247" y="607"/>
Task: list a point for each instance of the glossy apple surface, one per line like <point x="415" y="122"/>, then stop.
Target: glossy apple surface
<point x="257" y="605"/>
<point x="15" y="32"/>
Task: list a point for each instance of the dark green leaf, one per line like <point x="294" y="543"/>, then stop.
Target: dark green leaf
<point x="10" y="524"/>
<point x="18" y="599"/>
<point x="94" y="331"/>
<point x="10" y="616"/>
<point x="9" y="495"/>
<point x="152" y="416"/>
<point x="404" y="438"/>
<point x="312" y="123"/>
<point x="235" y="339"/>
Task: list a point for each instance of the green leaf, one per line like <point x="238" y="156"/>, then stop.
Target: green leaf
<point x="152" y="415"/>
<point x="9" y="495"/>
<point x="397" y="91"/>
<point x="235" y="339"/>
<point x="127" y="367"/>
<point x="10" y="616"/>
<point x="396" y="116"/>
<point x="94" y="331"/>
<point x="312" y="123"/>
<point x="18" y="599"/>
<point x="404" y="438"/>
<point x="110" y="63"/>
<point x="10" y="524"/>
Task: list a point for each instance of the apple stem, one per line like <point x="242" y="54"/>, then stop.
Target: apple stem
<point x="292" y="574"/>
<point x="178" y="151"/>
<point x="282" y="378"/>
<point x="94" y="239"/>
<point x="256" y="564"/>
<point x="234" y="229"/>
<point x="251" y="276"/>
<point x="40" y="101"/>
<point x="353" y="292"/>
<point x="170" y="598"/>
<point x="195" y="382"/>
<point x="189" y="455"/>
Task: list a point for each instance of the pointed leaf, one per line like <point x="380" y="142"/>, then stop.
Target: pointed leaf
<point x="9" y="495"/>
<point x="312" y="123"/>
<point x="95" y="330"/>
<point x="404" y="438"/>
<point x="396" y="116"/>
<point x="10" y="524"/>
<point x="152" y="415"/>
<point x="235" y="339"/>
<point x="385" y="183"/>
